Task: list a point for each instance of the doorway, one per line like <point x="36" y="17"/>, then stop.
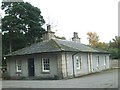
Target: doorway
<point x="31" y="67"/>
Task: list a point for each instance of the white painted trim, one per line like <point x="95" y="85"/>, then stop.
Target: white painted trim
<point x="17" y="66"/>
<point x="105" y="60"/>
<point x="79" y="62"/>
<point x="98" y="61"/>
<point x="88" y="63"/>
<point x="91" y="62"/>
<point x="43" y="65"/>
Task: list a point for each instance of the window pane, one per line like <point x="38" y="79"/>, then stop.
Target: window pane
<point x="18" y="65"/>
<point x="105" y="61"/>
<point x="78" y="62"/>
<point x="46" y="64"/>
<point x="98" y="61"/>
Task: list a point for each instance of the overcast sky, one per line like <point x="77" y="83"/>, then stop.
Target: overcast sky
<point x="100" y="16"/>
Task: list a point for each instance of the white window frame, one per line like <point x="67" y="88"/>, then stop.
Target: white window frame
<point x="17" y="66"/>
<point x="98" y="61"/>
<point x="78" y="62"/>
<point x="43" y="66"/>
<point x="105" y="61"/>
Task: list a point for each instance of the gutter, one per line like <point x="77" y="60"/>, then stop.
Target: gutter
<point x="73" y="63"/>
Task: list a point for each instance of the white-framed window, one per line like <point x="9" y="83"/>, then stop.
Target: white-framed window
<point x="18" y="66"/>
<point x="105" y="61"/>
<point x="98" y="61"/>
<point x="45" y="64"/>
<point x="78" y="62"/>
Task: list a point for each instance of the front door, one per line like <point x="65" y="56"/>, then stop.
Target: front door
<point x="31" y="67"/>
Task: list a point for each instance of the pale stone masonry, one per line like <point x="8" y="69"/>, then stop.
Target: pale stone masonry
<point x="56" y="59"/>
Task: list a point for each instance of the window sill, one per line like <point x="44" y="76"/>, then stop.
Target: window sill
<point x="18" y="72"/>
<point x="45" y="72"/>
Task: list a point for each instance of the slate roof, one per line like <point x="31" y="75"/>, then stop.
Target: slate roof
<point x="55" y="45"/>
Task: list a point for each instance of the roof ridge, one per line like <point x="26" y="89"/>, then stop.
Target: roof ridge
<point x="66" y="45"/>
<point x="70" y="47"/>
<point x="57" y="44"/>
<point x="76" y="47"/>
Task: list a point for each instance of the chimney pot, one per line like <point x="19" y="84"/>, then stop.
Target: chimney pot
<point x="75" y="37"/>
<point x="75" y="34"/>
<point x="48" y="27"/>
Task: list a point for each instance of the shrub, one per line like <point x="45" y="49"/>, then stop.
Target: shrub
<point x="56" y="77"/>
<point x="5" y="76"/>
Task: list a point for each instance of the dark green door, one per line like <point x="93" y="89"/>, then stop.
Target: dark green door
<point x="31" y="67"/>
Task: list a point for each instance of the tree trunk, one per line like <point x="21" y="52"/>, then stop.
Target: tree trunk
<point x="10" y="42"/>
<point x="10" y="46"/>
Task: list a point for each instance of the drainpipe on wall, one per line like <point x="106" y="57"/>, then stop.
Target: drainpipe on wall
<point x="73" y="63"/>
<point x="66" y="64"/>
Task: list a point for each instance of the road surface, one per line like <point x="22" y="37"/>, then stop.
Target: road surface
<point x="104" y="79"/>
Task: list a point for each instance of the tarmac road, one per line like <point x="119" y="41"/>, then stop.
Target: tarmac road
<point x="104" y="79"/>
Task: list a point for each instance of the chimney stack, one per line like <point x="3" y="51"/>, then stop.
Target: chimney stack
<point x="48" y="27"/>
<point x="48" y="34"/>
<point x="75" y="37"/>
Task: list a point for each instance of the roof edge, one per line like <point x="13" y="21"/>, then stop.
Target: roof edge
<point x="58" y="45"/>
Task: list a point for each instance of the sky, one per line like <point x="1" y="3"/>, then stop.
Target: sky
<point x="68" y="16"/>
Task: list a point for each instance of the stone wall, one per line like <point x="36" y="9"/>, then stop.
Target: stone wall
<point x="114" y="63"/>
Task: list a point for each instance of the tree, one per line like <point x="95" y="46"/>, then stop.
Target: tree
<point x="102" y="45"/>
<point x="114" y="53"/>
<point x="94" y="41"/>
<point x="93" y="38"/>
<point x="22" y="20"/>
<point x="115" y="43"/>
<point x="114" y="47"/>
<point x="63" y="38"/>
